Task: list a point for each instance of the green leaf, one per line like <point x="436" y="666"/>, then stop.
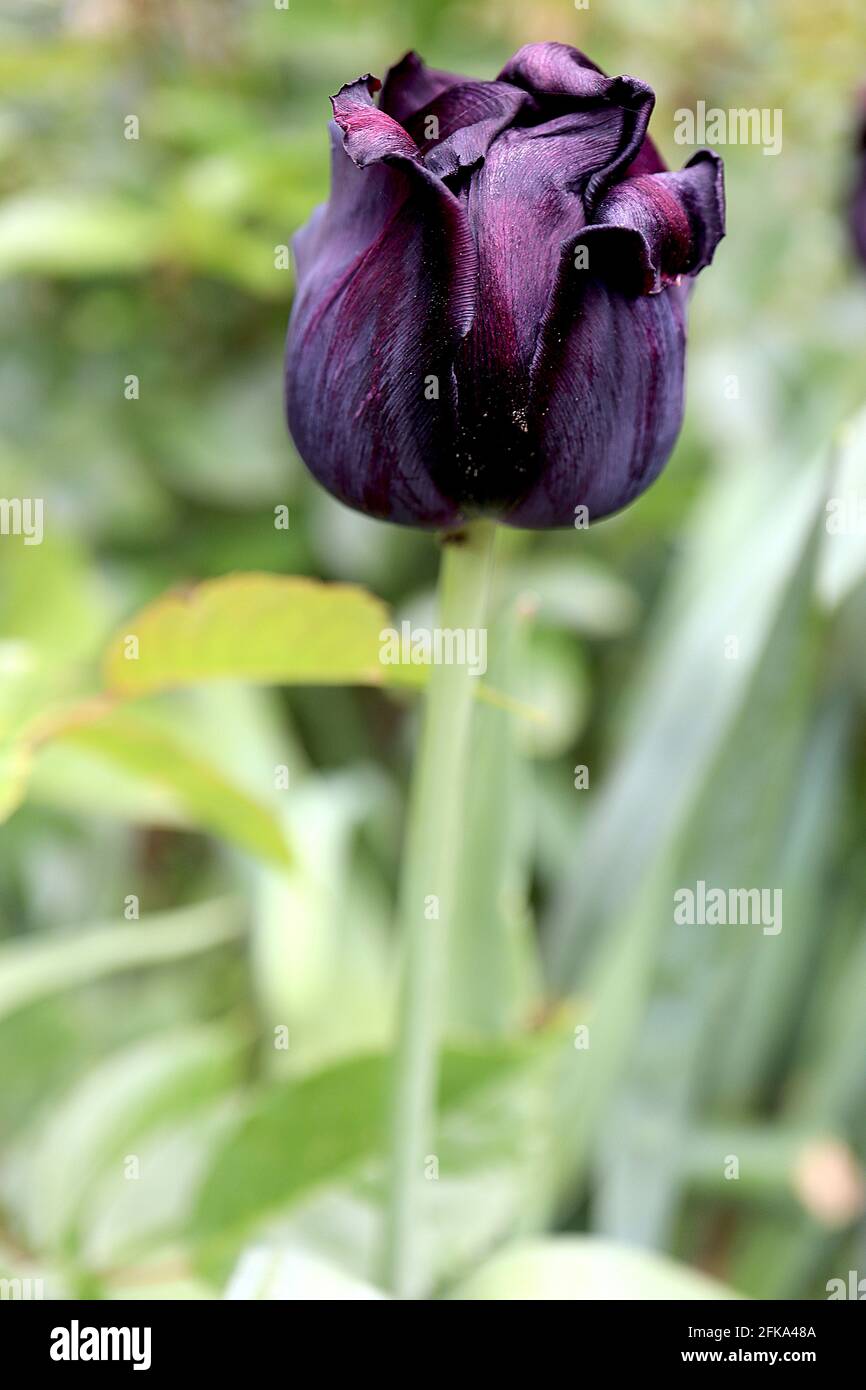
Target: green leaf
<point x="732" y="582"/>
<point x="573" y="1268"/>
<point x="301" y="1134"/>
<point x="319" y="944"/>
<point x="31" y="970"/>
<point x="735" y="825"/>
<point x="771" y="992"/>
<point x="125" y="1223"/>
<point x="270" y="629"/>
<point x="842" y="563"/>
<point x="650" y="831"/>
<point x="15" y="763"/>
<point x="702" y="978"/>
<point x="779" y="1258"/>
<point x="204" y="795"/>
<point x="610" y="1008"/>
<point x="52" y="620"/>
<point x="116" y="1104"/>
<point x="494" y="1182"/>
<point x="265" y="628"/>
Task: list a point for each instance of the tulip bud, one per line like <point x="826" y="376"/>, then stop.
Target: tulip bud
<point x="490" y="309"/>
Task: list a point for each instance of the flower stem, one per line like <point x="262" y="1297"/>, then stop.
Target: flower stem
<point x="426" y="901"/>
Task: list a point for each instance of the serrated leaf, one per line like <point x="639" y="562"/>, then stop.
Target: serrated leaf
<point x="270" y="629"/>
<point x="264" y="628"/>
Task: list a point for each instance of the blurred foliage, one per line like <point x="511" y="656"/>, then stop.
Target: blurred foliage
<point x="196" y="951"/>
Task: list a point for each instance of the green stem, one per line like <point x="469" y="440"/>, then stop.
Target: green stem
<point x="426" y="900"/>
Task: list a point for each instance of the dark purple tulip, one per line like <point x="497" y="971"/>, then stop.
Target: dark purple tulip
<point x="858" y="202"/>
<point x="450" y="354"/>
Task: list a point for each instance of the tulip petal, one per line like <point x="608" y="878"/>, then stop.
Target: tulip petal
<point x="524" y="202"/>
<point x="521" y="207"/>
<point x="559" y="75"/>
<point x="386" y="274"/>
<point x="606" y="394"/>
<point x="678" y="219"/>
<point x="411" y="87"/>
<point x="554" y="69"/>
<point x="647" y="160"/>
<point x="607" y="400"/>
<point x="469" y="117"/>
<point x="369" y="134"/>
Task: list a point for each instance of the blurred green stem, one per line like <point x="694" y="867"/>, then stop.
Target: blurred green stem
<point x="426" y="901"/>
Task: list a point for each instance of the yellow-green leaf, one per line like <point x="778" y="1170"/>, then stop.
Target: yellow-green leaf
<point x="265" y="628"/>
<point x="203" y="793"/>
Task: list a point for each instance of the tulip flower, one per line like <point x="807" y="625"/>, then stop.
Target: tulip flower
<point x="489" y="326"/>
<point x="490" y="310"/>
